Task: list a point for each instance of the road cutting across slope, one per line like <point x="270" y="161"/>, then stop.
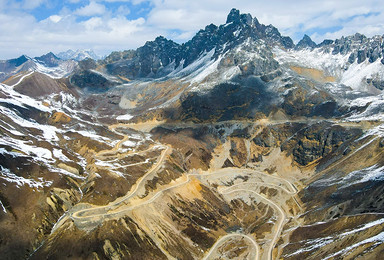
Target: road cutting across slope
<point x="274" y="205"/>
<point x="102" y="210"/>
<point x="229" y="236"/>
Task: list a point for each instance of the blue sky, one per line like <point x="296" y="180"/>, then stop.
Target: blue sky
<point x="35" y="27"/>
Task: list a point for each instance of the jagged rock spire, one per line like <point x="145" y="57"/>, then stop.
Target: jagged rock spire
<point x="306" y="42"/>
<point x="234" y="15"/>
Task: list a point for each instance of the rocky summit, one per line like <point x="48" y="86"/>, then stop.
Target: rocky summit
<point x="237" y="144"/>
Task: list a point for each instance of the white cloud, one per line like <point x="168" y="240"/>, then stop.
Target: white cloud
<point x="123" y="10"/>
<point x="370" y="25"/>
<point x="93" y="23"/>
<point x="32" y="4"/>
<point x="185" y="36"/>
<point x="23" y="34"/>
<point x="91" y="9"/>
<point x="55" y="18"/>
<point x="135" y="2"/>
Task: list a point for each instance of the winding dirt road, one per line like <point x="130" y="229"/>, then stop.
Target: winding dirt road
<point x="93" y="216"/>
<point x="278" y="209"/>
<point x="97" y="214"/>
<point x="229" y="236"/>
<point x="87" y="216"/>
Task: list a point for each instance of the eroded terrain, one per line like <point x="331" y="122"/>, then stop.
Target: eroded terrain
<point x="248" y="202"/>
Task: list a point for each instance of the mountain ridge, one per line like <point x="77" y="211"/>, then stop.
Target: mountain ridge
<point x="78" y="55"/>
<point x="238" y="28"/>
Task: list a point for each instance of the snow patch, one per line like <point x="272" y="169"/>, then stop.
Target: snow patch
<point x="58" y="72"/>
<point x="126" y="117"/>
<point x="196" y="66"/>
<point x="377" y="131"/>
<point x="237" y="33"/>
<point x="7" y="175"/>
<point x="316" y="59"/>
<point x="230" y="73"/>
<point x="377" y="239"/>
<point x="357" y="73"/>
<point x="20" y="100"/>
<point x="129" y="143"/>
<point x="312" y="244"/>
<point x="65" y="172"/>
<point x="353" y="75"/>
<point x="108" y="77"/>
<point x="48" y="132"/>
<point x="2" y="206"/>
<point x="374" y="111"/>
<point x="204" y="72"/>
<point x="38" y="153"/>
<point x="21" y="79"/>
<point x="58" y="154"/>
<point x="94" y="136"/>
<point x="373" y="173"/>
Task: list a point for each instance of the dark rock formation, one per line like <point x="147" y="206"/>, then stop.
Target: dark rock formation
<point x="358" y="45"/>
<point x="318" y="141"/>
<point x="87" y="64"/>
<point x="150" y="61"/>
<point x="91" y="81"/>
<point x="227" y="101"/>
<point x="306" y="42"/>
<point x="17" y="62"/>
<point x="361" y="56"/>
<point x="49" y="60"/>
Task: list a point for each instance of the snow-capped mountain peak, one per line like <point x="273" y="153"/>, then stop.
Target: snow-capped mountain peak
<point x="78" y="55"/>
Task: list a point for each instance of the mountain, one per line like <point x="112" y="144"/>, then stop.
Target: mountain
<point x="49" y="60"/>
<point x="78" y="55"/>
<point x="48" y="64"/>
<point x="237" y="144"/>
<point x="306" y="42"/>
<point x="161" y="57"/>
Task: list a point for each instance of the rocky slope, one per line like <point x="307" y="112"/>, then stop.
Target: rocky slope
<point x="237" y="144"/>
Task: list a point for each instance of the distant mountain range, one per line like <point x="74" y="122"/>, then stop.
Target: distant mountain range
<point x="59" y="65"/>
<point x="48" y="64"/>
<point x="78" y="55"/>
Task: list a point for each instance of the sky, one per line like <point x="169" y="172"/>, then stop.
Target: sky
<point x="36" y="27"/>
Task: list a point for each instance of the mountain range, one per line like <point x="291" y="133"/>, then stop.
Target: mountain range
<point x="78" y="55"/>
<point x="238" y="144"/>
